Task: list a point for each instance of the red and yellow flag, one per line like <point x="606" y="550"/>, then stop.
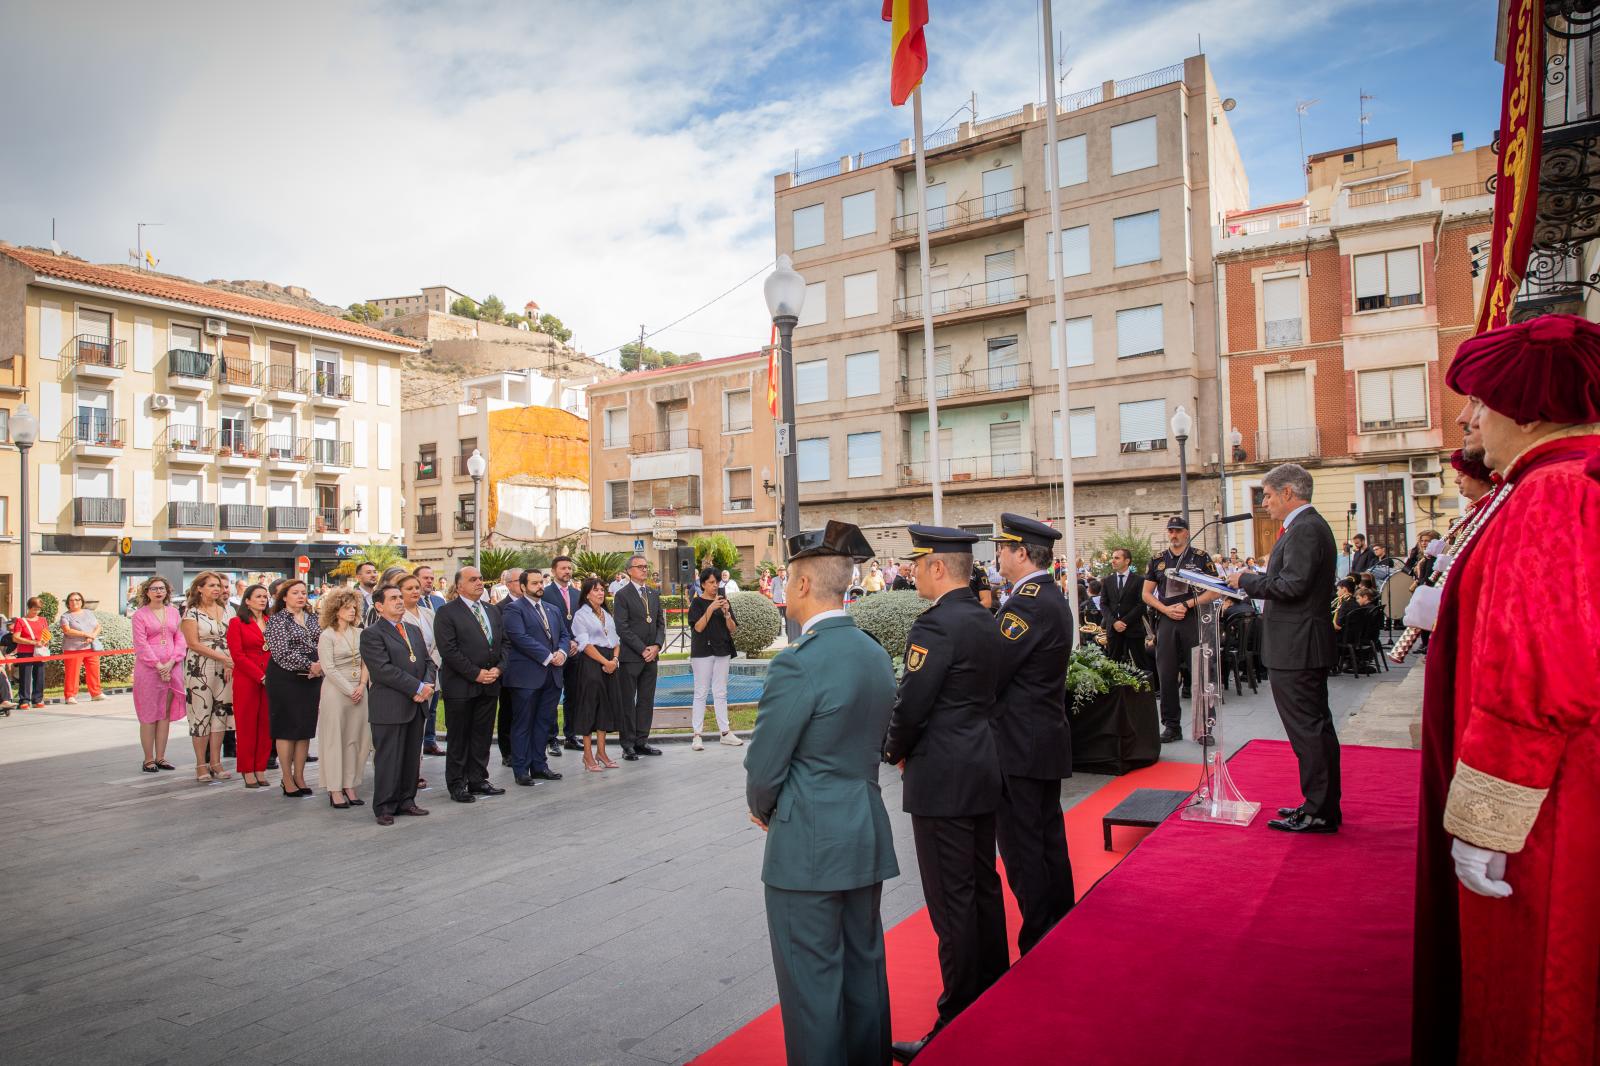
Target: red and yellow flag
<point x="908" y="51"/>
<point x="772" y="373"/>
<point x="1516" y="193"/>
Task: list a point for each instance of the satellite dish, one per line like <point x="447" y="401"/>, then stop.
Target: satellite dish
<point x="1229" y="104"/>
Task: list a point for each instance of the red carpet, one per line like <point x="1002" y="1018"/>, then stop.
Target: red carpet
<point x="1211" y="944"/>
<point x="912" y="949"/>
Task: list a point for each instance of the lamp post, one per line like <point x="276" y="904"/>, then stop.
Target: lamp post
<point x="786" y="295"/>
<point x="477" y="465"/>
<point x="1181" y="425"/>
<point x="24" y="432"/>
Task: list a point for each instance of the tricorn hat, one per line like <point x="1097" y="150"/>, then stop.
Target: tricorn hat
<point x="836" y="538"/>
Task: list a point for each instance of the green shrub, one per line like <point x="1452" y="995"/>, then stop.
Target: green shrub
<point x="116" y="632"/>
<point x="51" y="606"/>
<point x="1136" y="544"/>
<point x="604" y="565"/>
<point x="1091" y="674"/>
<point x="887" y="616"/>
<point x="757" y="620"/>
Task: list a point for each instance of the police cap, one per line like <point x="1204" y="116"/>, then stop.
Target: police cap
<point x="926" y="540"/>
<point x="1019" y="529"/>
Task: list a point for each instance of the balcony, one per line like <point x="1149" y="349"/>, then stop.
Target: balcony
<point x="671" y="440"/>
<point x="329" y="388"/>
<point x="189" y="445"/>
<point x="1387" y="195"/>
<point x="976" y="217"/>
<point x="465" y="523"/>
<point x="332" y="456"/>
<point x="93" y="511"/>
<point x="974" y="386"/>
<point x="1283" y="333"/>
<point x="93" y="357"/>
<point x="189" y="370"/>
<point x="191" y="518"/>
<point x="461" y="465"/>
<point x="968" y="469"/>
<point x="287" y="384"/>
<point x="964" y="302"/>
<point x="428" y="525"/>
<point x="428" y="468"/>
<point x="1277" y="445"/>
<point x="90" y="436"/>
<point x="284" y="451"/>
<point x="239" y="517"/>
<point x="239" y="377"/>
<point x="238" y="448"/>
<point x="328" y="521"/>
<point x="291" y="521"/>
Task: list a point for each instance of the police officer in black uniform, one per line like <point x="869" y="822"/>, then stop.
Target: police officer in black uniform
<point x="940" y="734"/>
<point x="1031" y="726"/>
<point x="1175" y="608"/>
<point x="980" y="585"/>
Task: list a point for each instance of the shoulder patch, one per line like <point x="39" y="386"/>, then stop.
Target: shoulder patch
<point x="1162" y="565"/>
<point x="1030" y="589"/>
<point x="1012" y="627"/>
<point x="916" y="655"/>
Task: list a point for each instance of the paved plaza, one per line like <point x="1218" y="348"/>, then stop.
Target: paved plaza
<point x="604" y="918"/>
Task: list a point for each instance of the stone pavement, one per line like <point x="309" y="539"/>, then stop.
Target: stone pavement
<point x="604" y="918"/>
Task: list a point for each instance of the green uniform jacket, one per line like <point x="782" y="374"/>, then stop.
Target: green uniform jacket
<point x="812" y="768"/>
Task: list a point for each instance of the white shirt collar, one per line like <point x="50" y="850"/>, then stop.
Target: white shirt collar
<point x="1024" y="580"/>
<point x="822" y="616"/>
<point x="1292" y="515"/>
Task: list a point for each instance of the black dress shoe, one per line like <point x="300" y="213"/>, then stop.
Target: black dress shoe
<point x="547" y="775"/>
<point x="433" y="749"/>
<point x="1291" y="812"/>
<point x="311" y="758"/>
<point x="385" y="819"/>
<point x="645" y="749"/>
<point x="1303" y="823"/>
<point x="629" y="756"/>
<point x="358" y="803"/>
<point x="486" y="789"/>
<point x="505" y="760"/>
<point x="571" y="745"/>
<point x="413" y="810"/>
<point x="1170" y="734"/>
<point x="525" y="779"/>
<point x="906" y="1050"/>
<point x="553" y="751"/>
<point x="463" y="797"/>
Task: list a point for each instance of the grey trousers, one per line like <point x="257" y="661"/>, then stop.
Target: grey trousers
<point x="833" y="987"/>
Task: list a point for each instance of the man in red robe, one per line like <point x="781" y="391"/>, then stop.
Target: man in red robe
<point x="1507" y="924"/>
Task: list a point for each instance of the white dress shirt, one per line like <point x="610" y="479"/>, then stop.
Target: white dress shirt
<point x="1292" y="515"/>
<point x="814" y="619"/>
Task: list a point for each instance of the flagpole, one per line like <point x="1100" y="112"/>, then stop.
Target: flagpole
<point x="931" y="387"/>
<point x="1051" y="159"/>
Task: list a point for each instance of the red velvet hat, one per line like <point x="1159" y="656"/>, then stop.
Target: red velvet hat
<point x="1473" y="468"/>
<point x="1543" y="370"/>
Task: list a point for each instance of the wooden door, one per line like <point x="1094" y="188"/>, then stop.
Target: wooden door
<point x="1263" y="524"/>
<point x="1386" y="514"/>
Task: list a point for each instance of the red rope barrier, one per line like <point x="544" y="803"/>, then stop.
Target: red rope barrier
<point x="65" y="655"/>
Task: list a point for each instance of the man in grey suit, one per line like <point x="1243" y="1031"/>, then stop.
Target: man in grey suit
<point x="1298" y="643"/>
<point x="812" y="784"/>
<point x="402" y="675"/>
<point x="643" y="632"/>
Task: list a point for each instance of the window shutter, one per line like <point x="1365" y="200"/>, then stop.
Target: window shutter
<point x="812" y="459"/>
<point x="144" y="426"/>
<point x="359" y="434"/>
<point x="49" y="493"/>
<point x="861" y="374"/>
<point x="1280" y="298"/>
<point x="144" y="490"/>
<point x="739" y="485"/>
<point x="385" y="508"/>
<point x="865" y="454"/>
<point x="49" y="333"/>
<point x="1074" y="252"/>
<point x="860" y="214"/>
<point x="1138" y="238"/>
<point x="1410" y="396"/>
<point x="359" y="520"/>
<point x="811" y="381"/>
<point x="1143" y="420"/>
<point x="385" y="387"/>
<point x="49" y="410"/>
<point x="808" y="227"/>
<point x="1139" y="331"/>
<point x="814" y="311"/>
<point x="1369" y="275"/>
<point x="1072" y="161"/>
<point x="144" y="345"/>
<point x="1082" y="429"/>
<point x="1133" y="145"/>
<point x="1377" y="410"/>
<point x="1055" y="434"/>
<point x="861" y="294"/>
<point x="358" y="374"/>
<point x="1286" y="400"/>
<point x="1080" y="341"/>
<point x="385" y="445"/>
<point x="1405" y="278"/>
<point x="617" y="498"/>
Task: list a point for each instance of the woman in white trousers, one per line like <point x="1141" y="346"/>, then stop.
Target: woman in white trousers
<point x="710" y="652"/>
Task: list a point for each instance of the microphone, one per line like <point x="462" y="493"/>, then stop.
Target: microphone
<point x="1219" y="520"/>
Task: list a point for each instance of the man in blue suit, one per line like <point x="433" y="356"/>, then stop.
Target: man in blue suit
<point x="561" y="592"/>
<point x="537" y="639"/>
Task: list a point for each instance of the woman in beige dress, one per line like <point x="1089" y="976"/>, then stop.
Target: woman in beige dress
<point x="207" y="673"/>
<point x="342" y="728"/>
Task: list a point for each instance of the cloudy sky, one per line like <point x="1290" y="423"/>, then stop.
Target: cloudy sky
<point x="615" y="167"/>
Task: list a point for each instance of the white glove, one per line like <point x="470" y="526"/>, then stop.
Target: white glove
<point x="1423" y="609"/>
<point x="1436" y="548"/>
<point x="1480" y="870"/>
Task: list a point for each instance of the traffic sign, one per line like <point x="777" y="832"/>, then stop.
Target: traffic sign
<point x="302" y="565"/>
<point x="638" y="544"/>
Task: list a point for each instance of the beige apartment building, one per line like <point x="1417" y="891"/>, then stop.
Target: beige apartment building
<point x="681" y="451"/>
<point x="185" y="428"/>
<point x="1148" y="166"/>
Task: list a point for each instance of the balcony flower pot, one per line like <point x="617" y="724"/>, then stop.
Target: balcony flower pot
<point x="225" y="452"/>
<point x="322" y="524"/>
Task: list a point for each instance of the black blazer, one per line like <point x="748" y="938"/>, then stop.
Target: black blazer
<point x="391" y="697"/>
<point x="1296" y="587"/>
<point x="1360" y="562"/>
<point x="463" y="651"/>
<point x="1030" y="726"/>
<point x="635" y="633"/>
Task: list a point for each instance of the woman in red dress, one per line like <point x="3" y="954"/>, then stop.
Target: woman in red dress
<point x="246" y="643"/>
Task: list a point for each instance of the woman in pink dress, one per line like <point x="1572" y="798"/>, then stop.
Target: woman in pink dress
<point x="158" y="651"/>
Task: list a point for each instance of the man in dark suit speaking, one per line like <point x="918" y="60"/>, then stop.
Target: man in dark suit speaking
<point x="1298" y="646"/>
<point x="471" y="638"/>
<point x="643" y="631"/>
<point x="396" y="656"/>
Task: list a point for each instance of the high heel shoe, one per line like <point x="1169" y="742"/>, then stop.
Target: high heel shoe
<point x="303" y="791"/>
<point x="148" y="767"/>
<point x="290" y="795"/>
<point x="345" y="806"/>
<point x="593" y="765"/>
<point x="606" y="761"/>
<point x="218" y="773"/>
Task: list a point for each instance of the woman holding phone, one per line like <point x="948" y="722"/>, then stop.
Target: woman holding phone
<point x="710" y="654"/>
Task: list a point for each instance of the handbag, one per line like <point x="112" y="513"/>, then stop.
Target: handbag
<point x="97" y="644"/>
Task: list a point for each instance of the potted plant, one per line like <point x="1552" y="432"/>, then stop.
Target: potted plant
<point x="1114" y="722"/>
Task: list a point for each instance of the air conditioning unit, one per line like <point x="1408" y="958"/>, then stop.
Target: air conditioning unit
<point x="1426" y="486"/>
<point x="261" y="411"/>
<point x="161" y="402"/>
<point x="216" y="327"/>
<point x="1424" y="465"/>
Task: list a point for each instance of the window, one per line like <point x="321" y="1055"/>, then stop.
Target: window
<point x="1073" y="253"/>
<point x="235" y="429"/>
<point x="1133" y="145"/>
<point x="736" y="411"/>
<point x="1006" y="458"/>
<point x="1000" y="197"/>
<point x="616" y="499"/>
<point x="865" y="452"/>
<point x="860" y="214"/>
<point x="1081" y="426"/>
<point x="1004" y="363"/>
<point x="5" y="516"/>
<point x="1144" y="425"/>
<point x="1139" y="332"/>
<point x="1072" y="161"/>
<point x="861" y="374"/>
<point x="737" y="489"/>
<point x="427" y="461"/>
<point x="1290" y="432"/>
<point x="815" y="310"/>
<point x="1001" y="284"/>
<point x="1280" y="302"/>
<point x="811" y="381"/>
<point x="466" y="512"/>
<point x="1388" y="279"/>
<point x="465" y="446"/>
<point x="812" y="456"/>
<point x="186" y="338"/>
<point x="5" y="430"/>
<point x="428" y="505"/>
<point x="861" y="294"/>
<point x="808" y="227"/>
<point x="1393" y="399"/>
<point x="680" y="493"/>
<point x="1080" y="342"/>
<point x="616" y="427"/>
<point x="1138" y="238"/>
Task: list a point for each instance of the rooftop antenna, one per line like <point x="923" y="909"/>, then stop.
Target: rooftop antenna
<point x="54" y="245"/>
<point x="138" y="254"/>
<point x="1365" y="118"/>
<point x="1300" y="109"/>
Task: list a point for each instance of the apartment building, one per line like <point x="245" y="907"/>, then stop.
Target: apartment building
<point x="1343" y="312"/>
<point x="1148" y="166"/>
<point x="185" y="428"/>
<point x="533" y="431"/>
<point x="431" y="298"/>
<point x="681" y="451"/>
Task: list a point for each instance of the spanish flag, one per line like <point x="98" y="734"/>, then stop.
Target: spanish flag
<point x="908" y="52"/>
<point x="772" y="373"/>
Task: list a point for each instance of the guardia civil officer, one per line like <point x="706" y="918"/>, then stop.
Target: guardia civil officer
<point x="940" y="736"/>
<point x="1177" y="617"/>
<point x="1030" y="726"/>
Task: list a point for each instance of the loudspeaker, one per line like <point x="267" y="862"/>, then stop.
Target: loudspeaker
<point x="685" y="556"/>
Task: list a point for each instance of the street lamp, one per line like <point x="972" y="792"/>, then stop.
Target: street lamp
<point x="1181" y="425"/>
<point x="24" y="432"/>
<point x="1236" y="440"/>
<point x="477" y="466"/>
<point x="786" y="294"/>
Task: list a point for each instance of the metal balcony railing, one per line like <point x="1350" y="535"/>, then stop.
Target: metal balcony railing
<point x="969" y="468"/>
<point x="666" y="441"/>
<point x="328" y="519"/>
<point x="183" y="515"/>
<point x="94" y="428"/>
<point x="967" y="383"/>
<point x="282" y="378"/>
<point x="1463" y="192"/>
<point x="1384" y="196"/>
<point x="965" y="297"/>
<point x="242" y="517"/>
<point x="187" y="363"/>
<point x="288" y="519"/>
<point x="92" y="350"/>
<point x="288" y="448"/>
<point x="233" y="439"/>
<point x="239" y="373"/>
<point x="1140" y="82"/>
<point x="330" y="452"/>
<point x="427" y="524"/>
<point x="1283" y="333"/>
<point x="963" y="212"/>
<point x="1571" y="67"/>
<point x="93" y="511"/>
<point x="428" y="469"/>
<point x="330" y="385"/>
<point x="461" y="465"/>
<point x="1298" y="443"/>
<point x="196" y="440"/>
<point x="465" y="522"/>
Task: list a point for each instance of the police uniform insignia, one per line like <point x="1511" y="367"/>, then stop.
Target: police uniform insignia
<point x="1030" y="589"/>
<point x="1012" y="627"/>
<point x="916" y="655"/>
<point x="1161" y="565"/>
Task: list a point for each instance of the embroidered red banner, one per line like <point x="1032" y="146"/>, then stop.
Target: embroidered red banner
<point x="1516" y="195"/>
